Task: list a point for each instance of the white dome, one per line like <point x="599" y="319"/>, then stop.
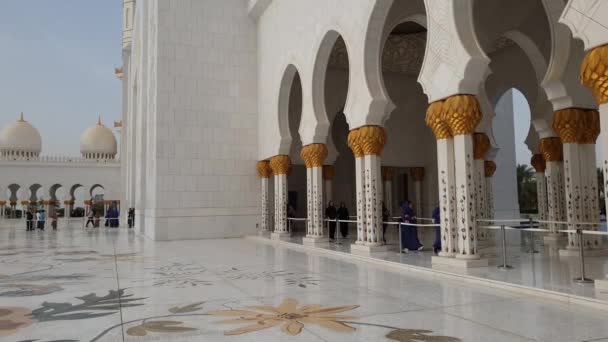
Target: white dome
<point x="98" y="142"/>
<point x="20" y="136"/>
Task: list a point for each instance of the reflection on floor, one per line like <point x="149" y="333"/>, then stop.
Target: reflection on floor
<point x="115" y="285"/>
<point x="544" y="269"/>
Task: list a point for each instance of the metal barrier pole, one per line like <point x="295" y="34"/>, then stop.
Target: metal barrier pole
<point x="582" y="279"/>
<point x="504" y="265"/>
<point x="400" y="246"/>
<point x="337" y="232"/>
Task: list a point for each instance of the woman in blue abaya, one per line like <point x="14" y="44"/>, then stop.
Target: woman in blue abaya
<point x="409" y="234"/>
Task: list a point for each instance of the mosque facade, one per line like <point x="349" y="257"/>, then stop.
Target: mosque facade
<point x="235" y="111"/>
<point x="30" y="178"/>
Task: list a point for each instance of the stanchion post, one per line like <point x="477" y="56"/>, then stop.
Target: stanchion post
<point x="337" y="232"/>
<point x="582" y="279"/>
<point x="531" y="237"/>
<point x="504" y="265"/>
<point x="400" y="247"/>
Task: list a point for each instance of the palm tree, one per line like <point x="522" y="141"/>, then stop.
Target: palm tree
<point x="526" y="188"/>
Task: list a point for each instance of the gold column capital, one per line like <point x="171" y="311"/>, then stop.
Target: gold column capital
<point x="372" y="140"/>
<point x="2" y="203"/>
<point x="329" y="172"/>
<point x="434" y="120"/>
<point x="462" y="114"/>
<point x="417" y="173"/>
<point x="354" y="142"/>
<point x="538" y="162"/>
<point x="481" y="145"/>
<point x="313" y="155"/>
<point x="592" y="127"/>
<point x="280" y="165"/>
<point x="24" y="203"/>
<point x="264" y="169"/>
<point x="569" y="124"/>
<point x="552" y="149"/>
<point x="489" y="168"/>
<point x="388" y="173"/>
<point x="594" y="73"/>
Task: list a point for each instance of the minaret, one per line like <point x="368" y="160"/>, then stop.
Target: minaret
<point x="128" y="16"/>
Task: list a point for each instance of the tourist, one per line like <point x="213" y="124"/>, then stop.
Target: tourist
<point x="409" y="234"/>
<point x="131" y="217"/>
<point x="53" y="216"/>
<point x="437" y="220"/>
<point x="331" y="213"/>
<point x="112" y="216"/>
<point x="343" y="216"/>
<point x="30" y="219"/>
<point x="41" y="219"/>
<point x="385" y="216"/>
<point x="90" y="215"/>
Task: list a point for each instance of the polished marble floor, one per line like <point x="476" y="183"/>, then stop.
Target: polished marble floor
<point x="114" y="285"/>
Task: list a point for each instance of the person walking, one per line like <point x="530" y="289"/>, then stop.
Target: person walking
<point x="343" y="216"/>
<point x="113" y="216"/>
<point x="409" y="234"/>
<point x="41" y="219"/>
<point x="331" y="214"/>
<point x="30" y="219"/>
<point x="437" y="220"/>
<point x="131" y="217"/>
<point x="53" y="216"/>
<point x="90" y="215"/>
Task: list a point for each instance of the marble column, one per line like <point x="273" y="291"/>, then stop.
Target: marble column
<point x="446" y="180"/>
<point x="265" y="172"/>
<point x="355" y="145"/>
<point x="569" y="124"/>
<point x="591" y="205"/>
<point x="370" y="140"/>
<point x="329" y="172"/>
<point x="540" y="166"/>
<point x="2" y="204"/>
<point x="490" y="169"/>
<point x="481" y="146"/>
<point x="313" y="156"/>
<point x="388" y="173"/>
<point x="280" y="166"/>
<point x="417" y="174"/>
<point x="551" y="148"/>
<point x="24" y="205"/>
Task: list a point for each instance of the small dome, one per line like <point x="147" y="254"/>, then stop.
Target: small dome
<point x="98" y="142"/>
<point x="20" y="138"/>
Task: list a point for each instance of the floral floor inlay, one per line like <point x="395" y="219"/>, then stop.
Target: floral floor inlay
<point x="115" y="285"/>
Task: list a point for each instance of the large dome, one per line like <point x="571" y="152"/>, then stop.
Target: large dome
<point x="98" y="142"/>
<point x="20" y="138"/>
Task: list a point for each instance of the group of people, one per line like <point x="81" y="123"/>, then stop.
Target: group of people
<point x="112" y="217"/>
<point x="36" y="219"/>
<point x="409" y="232"/>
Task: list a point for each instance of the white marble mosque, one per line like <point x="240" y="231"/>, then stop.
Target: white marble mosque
<point x="243" y="119"/>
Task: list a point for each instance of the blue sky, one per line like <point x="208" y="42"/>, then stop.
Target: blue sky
<point x="57" y="66"/>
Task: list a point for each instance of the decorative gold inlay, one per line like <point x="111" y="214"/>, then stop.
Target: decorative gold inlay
<point x="25" y="202"/>
<point x="481" y="145"/>
<point x="372" y="140"/>
<point x="264" y="169"/>
<point x="2" y="203"/>
<point x="538" y="162"/>
<point x="434" y="120"/>
<point x="313" y="155"/>
<point x="329" y="172"/>
<point x="462" y="114"/>
<point x="594" y="73"/>
<point x="280" y="165"/>
<point x="417" y="173"/>
<point x="489" y="167"/>
<point x="388" y="173"/>
<point x="592" y="127"/>
<point x="552" y="149"/>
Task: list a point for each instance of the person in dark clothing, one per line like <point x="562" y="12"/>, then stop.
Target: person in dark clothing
<point x="343" y="215"/>
<point x="131" y="218"/>
<point x="437" y="220"/>
<point x="330" y="213"/>
<point x="30" y="219"/>
<point x="409" y="234"/>
<point x="385" y="215"/>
